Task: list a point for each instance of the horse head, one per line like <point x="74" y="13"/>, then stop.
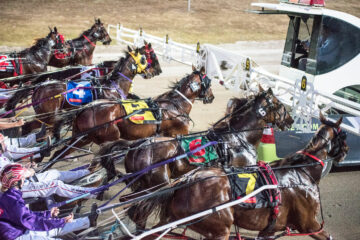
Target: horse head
<point x="153" y="62"/>
<point x="99" y="32"/>
<point x="273" y="110"/>
<point x="52" y="37"/>
<point x="197" y="85"/>
<point x="330" y="139"/>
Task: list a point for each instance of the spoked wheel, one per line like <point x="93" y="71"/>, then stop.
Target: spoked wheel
<point x="327" y="168"/>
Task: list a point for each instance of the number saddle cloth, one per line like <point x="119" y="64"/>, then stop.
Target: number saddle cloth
<point x="150" y="114"/>
<point x="246" y="180"/>
<point x="11" y="63"/>
<point x="86" y="89"/>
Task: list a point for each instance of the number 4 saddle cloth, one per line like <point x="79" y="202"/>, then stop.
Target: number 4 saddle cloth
<point x="150" y="114"/>
<point x="79" y="93"/>
<point x="244" y="181"/>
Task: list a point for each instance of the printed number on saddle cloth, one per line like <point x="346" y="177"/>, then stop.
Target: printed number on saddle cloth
<point x="80" y="92"/>
<point x="79" y="96"/>
<point x="4" y="63"/>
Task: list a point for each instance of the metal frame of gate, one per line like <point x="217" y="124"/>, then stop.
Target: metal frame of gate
<point x="240" y="73"/>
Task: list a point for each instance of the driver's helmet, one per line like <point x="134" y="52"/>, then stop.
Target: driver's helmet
<point x="11" y="174"/>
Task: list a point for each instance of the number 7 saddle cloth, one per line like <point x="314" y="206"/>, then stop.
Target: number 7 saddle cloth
<point x="244" y="181"/>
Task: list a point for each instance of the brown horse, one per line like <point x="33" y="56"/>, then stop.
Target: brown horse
<point x="175" y="104"/>
<point x="241" y="133"/>
<point x="31" y="60"/>
<point x="298" y="178"/>
<point x="115" y="85"/>
<point x="80" y="50"/>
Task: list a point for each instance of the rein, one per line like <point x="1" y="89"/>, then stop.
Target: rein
<point x="184" y="97"/>
<point x="92" y="44"/>
<point x="312" y="156"/>
<point x="136" y="175"/>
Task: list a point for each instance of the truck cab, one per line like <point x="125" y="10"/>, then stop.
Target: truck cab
<point x="322" y="47"/>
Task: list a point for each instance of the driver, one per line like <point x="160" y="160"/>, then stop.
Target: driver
<point x="328" y="46"/>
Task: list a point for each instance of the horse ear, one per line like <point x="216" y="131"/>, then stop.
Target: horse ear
<point x="149" y="45"/>
<point x="202" y="70"/>
<point x="129" y="49"/>
<point x="270" y="91"/>
<point x="99" y="21"/>
<point x="193" y="68"/>
<point x="50" y="28"/>
<point x="338" y="122"/>
<point x="322" y="118"/>
<point x="261" y="88"/>
<point x="145" y="42"/>
<point x="136" y="51"/>
<point x="55" y="29"/>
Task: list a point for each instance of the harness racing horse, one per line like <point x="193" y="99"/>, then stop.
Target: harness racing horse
<point x="31" y="60"/>
<point x="175" y="107"/>
<point x="80" y="50"/>
<point x="245" y="124"/>
<point x="116" y="85"/>
<point x="298" y="178"/>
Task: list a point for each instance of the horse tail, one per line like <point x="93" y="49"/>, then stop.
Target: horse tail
<point x="17" y="97"/>
<point x="60" y="122"/>
<point x="160" y="204"/>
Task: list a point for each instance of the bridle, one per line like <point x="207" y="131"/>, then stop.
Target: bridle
<point x="339" y="137"/>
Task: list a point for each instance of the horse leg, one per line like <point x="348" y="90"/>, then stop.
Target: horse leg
<point x="29" y="126"/>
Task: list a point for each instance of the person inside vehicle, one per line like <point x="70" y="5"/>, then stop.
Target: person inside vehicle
<point x="328" y="48"/>
<point x="20" y="223"/>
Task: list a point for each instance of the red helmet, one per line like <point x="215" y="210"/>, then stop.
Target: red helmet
<point x="11" y="174"/>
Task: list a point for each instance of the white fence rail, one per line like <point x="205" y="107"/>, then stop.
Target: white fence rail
<point x="165" y="47"/>
<point x="240" y="73"/>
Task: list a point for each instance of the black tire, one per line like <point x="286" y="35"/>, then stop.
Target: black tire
<point x="327" y="168"/>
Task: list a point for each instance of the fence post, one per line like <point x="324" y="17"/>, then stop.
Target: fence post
<point x="189" y="3"/>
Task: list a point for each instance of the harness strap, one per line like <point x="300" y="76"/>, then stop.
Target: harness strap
<point x="125" y="77"/>
<point x="312" y="156"/>
<point x="92" y="44"/>
<point x="183" y="96"/>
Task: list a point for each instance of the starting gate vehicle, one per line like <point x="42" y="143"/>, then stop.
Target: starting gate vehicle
<point x="321" y="50"/>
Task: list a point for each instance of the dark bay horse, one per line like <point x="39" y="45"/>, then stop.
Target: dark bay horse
<point x="245" y="124"/>
<point x="31" y="60"/>
<point x="80" y="50"/>
<point x="116" y="85"/>
<point x="300" y="197"/>
<point x="176" y="105"/>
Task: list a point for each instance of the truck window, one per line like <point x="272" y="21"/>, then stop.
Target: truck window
<point x="351" y="93"/>
<point x="338" y="43"/>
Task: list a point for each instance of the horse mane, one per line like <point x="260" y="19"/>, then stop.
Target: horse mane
<point x="86" y="32"/>
<point x="174" y="85"/>
<point x="38" y="43"/>
<point x="119" y="65"/>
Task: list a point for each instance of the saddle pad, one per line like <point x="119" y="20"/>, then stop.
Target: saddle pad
<point x="244" y="182"/>
<point x="144" y="117"/>
<point x="203" y="156"/>
<point x="79" y="96"/>
<point x="5" y="64"/>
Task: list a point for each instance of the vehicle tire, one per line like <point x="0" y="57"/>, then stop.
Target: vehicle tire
<point x="327" y="168"/>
